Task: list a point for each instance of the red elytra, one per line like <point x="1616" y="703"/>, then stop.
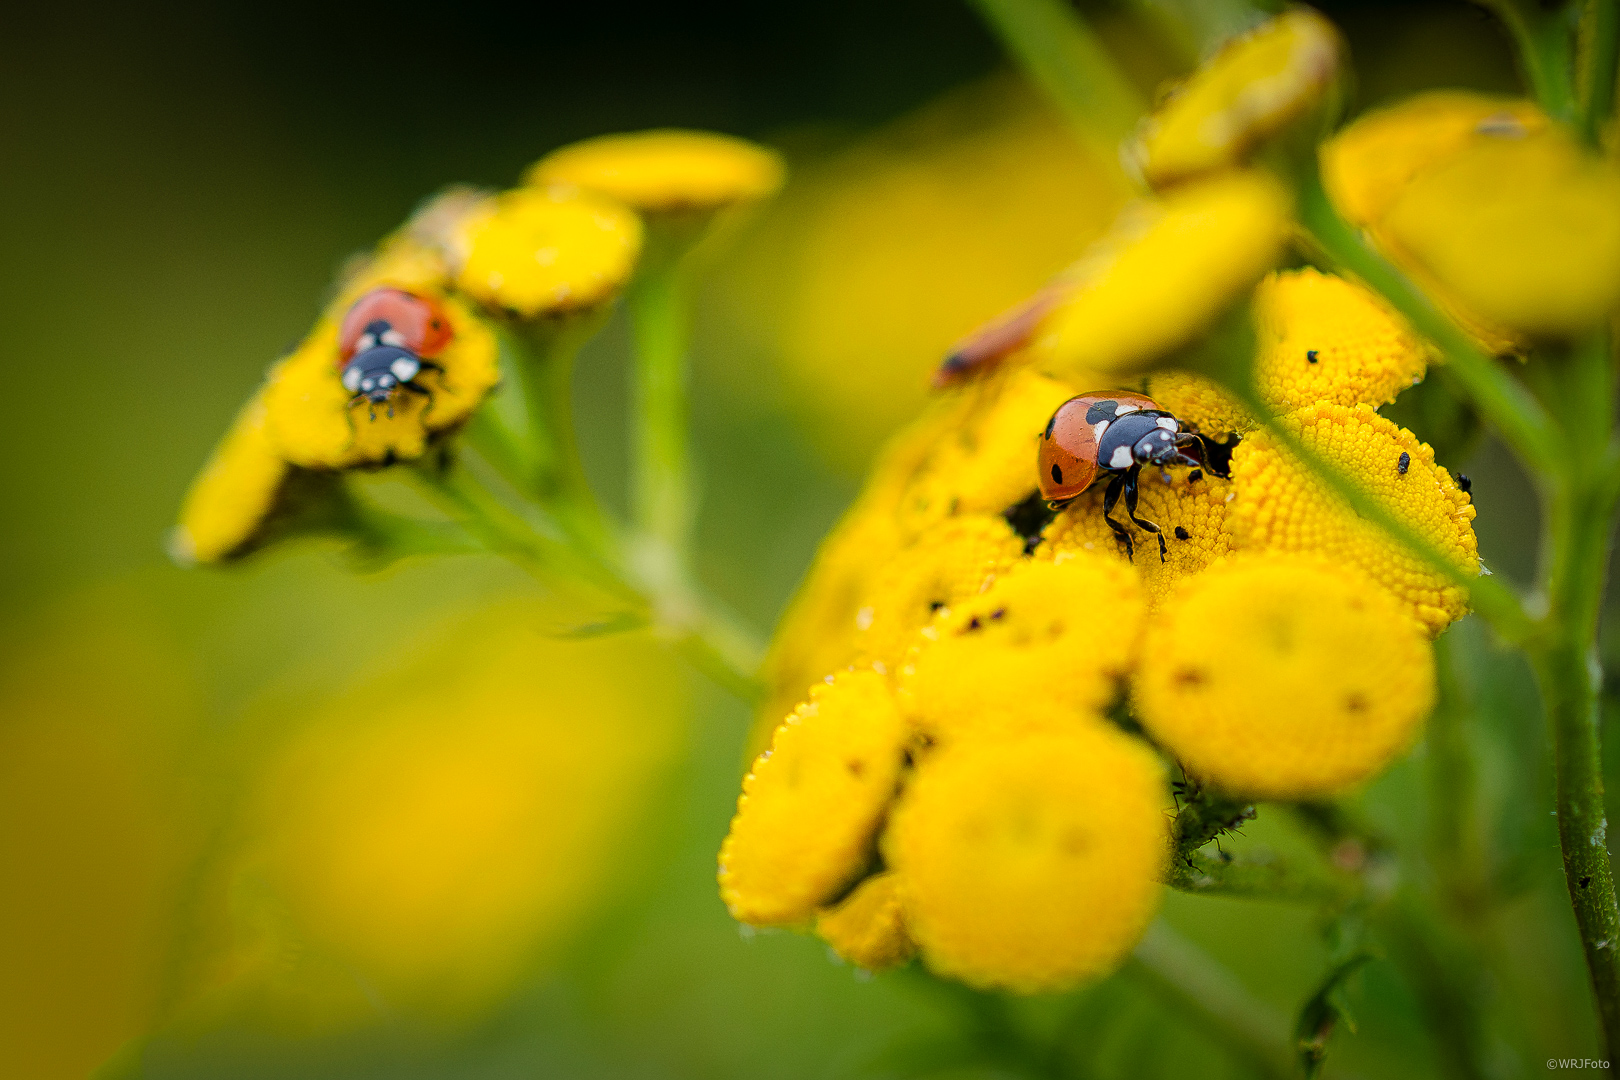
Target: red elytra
<point x="420" y="321"/>
<point x="1067" y="458"/>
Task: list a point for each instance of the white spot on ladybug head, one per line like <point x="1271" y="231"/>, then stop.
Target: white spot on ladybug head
<point x="404" y="368"/>
<point x="1169" y="423"/>
<point x="368" y="384"/>
<point x="1121" y="458"/>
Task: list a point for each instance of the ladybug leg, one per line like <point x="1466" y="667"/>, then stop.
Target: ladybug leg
<point x="424" y="391"/>
<point x="428" y="365"/>
<point x="1131" y="478"/>
<point x="1218" y="464"/>
<point x="1121" y="533"/>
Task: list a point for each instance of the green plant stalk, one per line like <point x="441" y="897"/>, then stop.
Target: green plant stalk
<point x="1598" y="54"/>
<point x="1059" y="52"/>
<point x="1251" y="875"/>
<point x="1214" y="1000"/>
<point x="1456" y="839"/>
<point x="661" y="495"/>
<point x="558" y="478"/>
<point x="1542" y="41"/>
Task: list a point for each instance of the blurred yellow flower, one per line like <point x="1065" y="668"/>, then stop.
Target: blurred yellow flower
<point x="544" y="251"/>
<point x="447" y="825"/>
<point x="1280" y="507"/>
<point x="1321" y="678"/>
<point x="1257" y="84"/>
<point x="950" y="563"/>
<point x="1045" y="643"/>
<point x="233" y="495"/>
<point x="1031" y="864"/>
<point x="867" y="927"/>
<point x="314" y="422"/>
<point x="879" y="257"/>
<point x="1525" y="230"/>
<point x="1166" y="271"/>
<point x="1191" y="512"/>
<point x="665" y="170"/>
<point x="811" y="806"/>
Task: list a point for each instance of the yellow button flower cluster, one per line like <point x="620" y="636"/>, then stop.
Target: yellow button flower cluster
<point x="1016" y="835"/>
<point x="567" y="241"/>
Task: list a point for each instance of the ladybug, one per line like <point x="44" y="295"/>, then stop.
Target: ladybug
<point x="1110" y="433"/>
<point x="386" y="340"/>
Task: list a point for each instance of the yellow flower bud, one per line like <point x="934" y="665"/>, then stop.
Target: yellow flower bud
<point x="666" y="170"/>
<point x="1031" y="864"/>
<point x="1281" y="507"/>
<point x="1164" y="274"/>
<point x="313" y="421"/>
<point x="811" y="807"/>
<point x="545" y="251"/>
<point x="1254" y="87"/>
<point x="1525" y="230"/>
<point x="1318" y="678"/>
<point x="1179" y="505"/>
<point x="1046" y="644"/>
<point x="867" y="927"/>
<point x="234" y="494"/>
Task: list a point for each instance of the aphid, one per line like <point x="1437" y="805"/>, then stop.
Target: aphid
<point x="1403" y="463"/>
<point x="1464" y="484"/>
<point x="1182" y="534"/>
<point x="386" y="341"/>
<point x="1310" y="356"/>
<point x="1113" y="433"/>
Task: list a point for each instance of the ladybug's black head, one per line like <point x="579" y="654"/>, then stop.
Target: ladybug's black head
<point x="376" y="374"/>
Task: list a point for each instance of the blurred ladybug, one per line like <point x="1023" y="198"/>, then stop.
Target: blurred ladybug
<point x="1113" y="434"/>
<point x="386" y="341"/>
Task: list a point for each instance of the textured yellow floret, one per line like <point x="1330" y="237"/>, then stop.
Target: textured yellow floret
<point x="1281" y="507"/>
<point x="1200" y="401"/>
<point x="311" y="421"/>
<point x="1196" y="507"/>
<point x="1033" y="864"/>
<point x="1045" y="644"/>
<point x="1315" y="680"/>
<point x="1166" y="271"/>
<point x="1524" y="230"/>
<point x="1367" y="166"/>
<point x="987" y="462"/>
<point x="1321" y="338"/>
<point x="235" y="492"/>
<point x="664" y="170"/>
<point x="539" y="251"/>
<point x="867" y="927"/>
<point x="950" y="563"/>
<point x="810" y="808"/>
<point x="1256" y="85"/>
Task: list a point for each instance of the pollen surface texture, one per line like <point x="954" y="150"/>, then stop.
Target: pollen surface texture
<point x="1316" y="680"/>
<point x="1031" y="864"/>
<point x="811" y="806"/>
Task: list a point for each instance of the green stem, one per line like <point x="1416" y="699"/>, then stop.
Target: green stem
<point x="1456" y="839"/>
<point x="1543" y="42"/>
<point x="1599" y="57"/>
<point x="1210" y="996"/>
<point x="1505" y="402"/>
<point x="1258" y="875"/>
<point x="1060" y="53"/>
<point x="661" y="495"/>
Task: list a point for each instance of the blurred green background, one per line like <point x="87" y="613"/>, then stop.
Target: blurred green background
<point x="247" y="830"/>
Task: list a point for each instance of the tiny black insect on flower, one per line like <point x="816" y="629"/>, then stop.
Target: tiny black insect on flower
<point x="1464" y="484"/>
<point x="1404" y="463"/>
<point x="1310" y="356"/>
<point x="1182" y="534"/>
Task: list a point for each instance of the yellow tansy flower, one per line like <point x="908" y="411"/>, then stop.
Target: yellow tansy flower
<point x="234" y="494"/>
<point x="311" y="419"/>
<point x="987" y="463"/>
<point x="542" y="251"/>
<point x="666" y="170"/>
<point x="1320" y="678"/>
<point x="1045" y="643"/>
<point x="867" y="927"/>
<point x="811" y="807"/>
<point x="1200" y="401"/>
<point x="1165" y="272"/>
<point x="1191" y="512"/>
<point x="1281" y="507"/>
<point x="1256" y="85"/>
<point x="1538" y="251"/>
<point x="1032" y="864"/>
<point x="1321" y="338"/>
<point x="949" y="563"/>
